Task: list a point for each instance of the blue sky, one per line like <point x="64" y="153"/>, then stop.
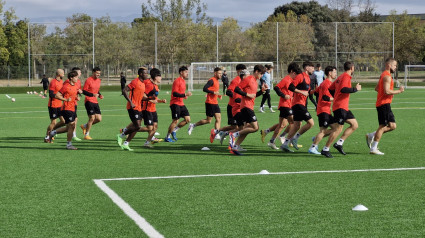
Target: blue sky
<point x="242" y="10"/>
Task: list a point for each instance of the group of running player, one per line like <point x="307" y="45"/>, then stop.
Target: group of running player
<point x="293" y="90"/>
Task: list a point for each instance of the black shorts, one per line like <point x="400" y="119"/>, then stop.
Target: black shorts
<point x="342" y="115"/>
<point x="300" y="113"/>
<point x="54" y="112"/>
<point x="150" y="118"/>
<point x="69" y="116"/>
<point x="92" y="108"/>
<point x="230" y="120"/>
<point x="325" y="119"/>
<point x="238" y="119"/>
<point x="45" y="87"/>
<point x="285" y="112"/>
<point x="385" y="114"/>
<point x="135" y="115"/>
<point x="75" y="111"/>
<point x="178" y="111"/>
<point x="248" y="115"/>
<point x="211" y="109"/>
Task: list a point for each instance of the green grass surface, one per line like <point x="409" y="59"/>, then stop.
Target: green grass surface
<point x="47" y="191"/>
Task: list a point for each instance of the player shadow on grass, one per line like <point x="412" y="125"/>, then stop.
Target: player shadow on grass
<point x="19" y="139"/>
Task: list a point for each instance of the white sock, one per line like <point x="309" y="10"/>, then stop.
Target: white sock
<point x="53" y="133"/>
<point x="216" y="131"/>
<point x="267" y="131"/>
<point x="236" y="134"/>
<point x="122" y="135"/>
<point x="340" y="142"/>
<point x="325" y="148"/>
<point x="313" y="146"/>
<point x="374" y="146"/>
<point x="124" y="129"/>
<point x="68" y="143"/>
<point x="125" y="143"/>
<point x="74" y="134"/>
<point x="297" y="136"/>
<point x="176" y="129"/>
<point x="47" y="137"/>
<point x="168" y="135"/>
<point x="286" y="142"/>
<point x="372" y="134"/>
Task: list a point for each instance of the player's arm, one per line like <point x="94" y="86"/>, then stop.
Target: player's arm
<point x="125" y="94"/>
<point x="387" y="90"/>
<point x="59" y="96"/>
<point x="351" y="90"/>
<point x="296" y="90"/>
<point x="207" y="85"/>
<point x="280" y="93"/>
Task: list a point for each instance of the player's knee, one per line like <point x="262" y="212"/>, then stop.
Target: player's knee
<point x="392" y="126"/>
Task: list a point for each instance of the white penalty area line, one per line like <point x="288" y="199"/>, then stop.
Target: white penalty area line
<point x="150" y="231"/>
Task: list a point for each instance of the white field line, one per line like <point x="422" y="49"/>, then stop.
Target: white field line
<point x="150" y="230"/>
<point x="128" y="210"/>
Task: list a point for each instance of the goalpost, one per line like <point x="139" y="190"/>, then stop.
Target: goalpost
<point x="414" y="76"/>
<point x="200" y="72"/>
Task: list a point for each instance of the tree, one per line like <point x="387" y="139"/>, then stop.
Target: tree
<point x="232" y="41"/>
<point x="409" y="34"/>
<point x="4" y="52"/>
<point x="16" y="35"/>
<point x="367" y="11"/>
<point x="312" y="9"/>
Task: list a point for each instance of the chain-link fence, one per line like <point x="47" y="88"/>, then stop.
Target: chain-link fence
<point x="123" y="47"/>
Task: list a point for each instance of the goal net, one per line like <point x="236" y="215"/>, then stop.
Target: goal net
<point x="201" y="72"/>
<point x="414" y="76"/>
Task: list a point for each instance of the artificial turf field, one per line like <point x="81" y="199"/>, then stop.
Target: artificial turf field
<point x="47" y="191"/>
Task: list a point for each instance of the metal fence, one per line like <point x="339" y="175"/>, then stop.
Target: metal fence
<point x="123" y="47"/>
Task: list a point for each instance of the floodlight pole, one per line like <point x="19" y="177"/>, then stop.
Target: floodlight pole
<point x="393" y="39"/>
<point x="217" y="42"/>
<point x="93" y="42"/>
<point x="277" y="48"/>
<point x="156" y="44"/>
<point x="29" y="57"/>
<point x="336" y="45"/>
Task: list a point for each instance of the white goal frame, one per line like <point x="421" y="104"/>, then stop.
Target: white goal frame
<point x="193" y="65"/>
<point x="407" y="74"/>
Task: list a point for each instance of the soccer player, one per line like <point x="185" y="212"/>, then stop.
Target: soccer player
<point x="342" y="89"/>
<point x="324" y="115"/>
<point x="234" y="99"/>
<point x="45" y="82"/>
<point x="386" y="119"/>
<point x="268" y="81"/>
<point x="248" y="89"/>
<point x="91" y="91"/>
<point x="78" y="85"/>
<point x="150" y="117"/>
<point x="285" y="104"/>
<point x="299" y="107"/>
<point x="134" y="93"/>
<point x="68" y="94"/>
<point x="178" y="109"/>
<point x="211" y="105"/>
<point x="55" y="104"/>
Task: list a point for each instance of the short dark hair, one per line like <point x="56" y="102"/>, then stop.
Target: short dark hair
<point x="44" y="75"/>
<point x="76" y="68"/>
<point x="95" y="69"/>
<point x="348" y="65"/>
<point x="183" y="68"/>
<point x="217" y="69"/>
<point x="154" y="73"/>
<point x="389" y="60"/>
<point x="140" y="70"/>
<point x="268" y="66"/>
<point x="72" y="74"/>
<point x="307" y="63"/>
<point x="294" y="67"/>
<point x="318" y="65"/>
<point x="240" y="67"/>
<point x="259" y="68"/>
<point x="329" y="69"/>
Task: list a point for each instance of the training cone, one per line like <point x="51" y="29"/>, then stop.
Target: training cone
<point x="205" y="148"/>
<point x="157" y="133"/>
<point x="360" y="207"/>
<point x="264" y="172"/>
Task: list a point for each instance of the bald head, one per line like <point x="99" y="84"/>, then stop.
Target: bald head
<point x="60" y="73"/>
